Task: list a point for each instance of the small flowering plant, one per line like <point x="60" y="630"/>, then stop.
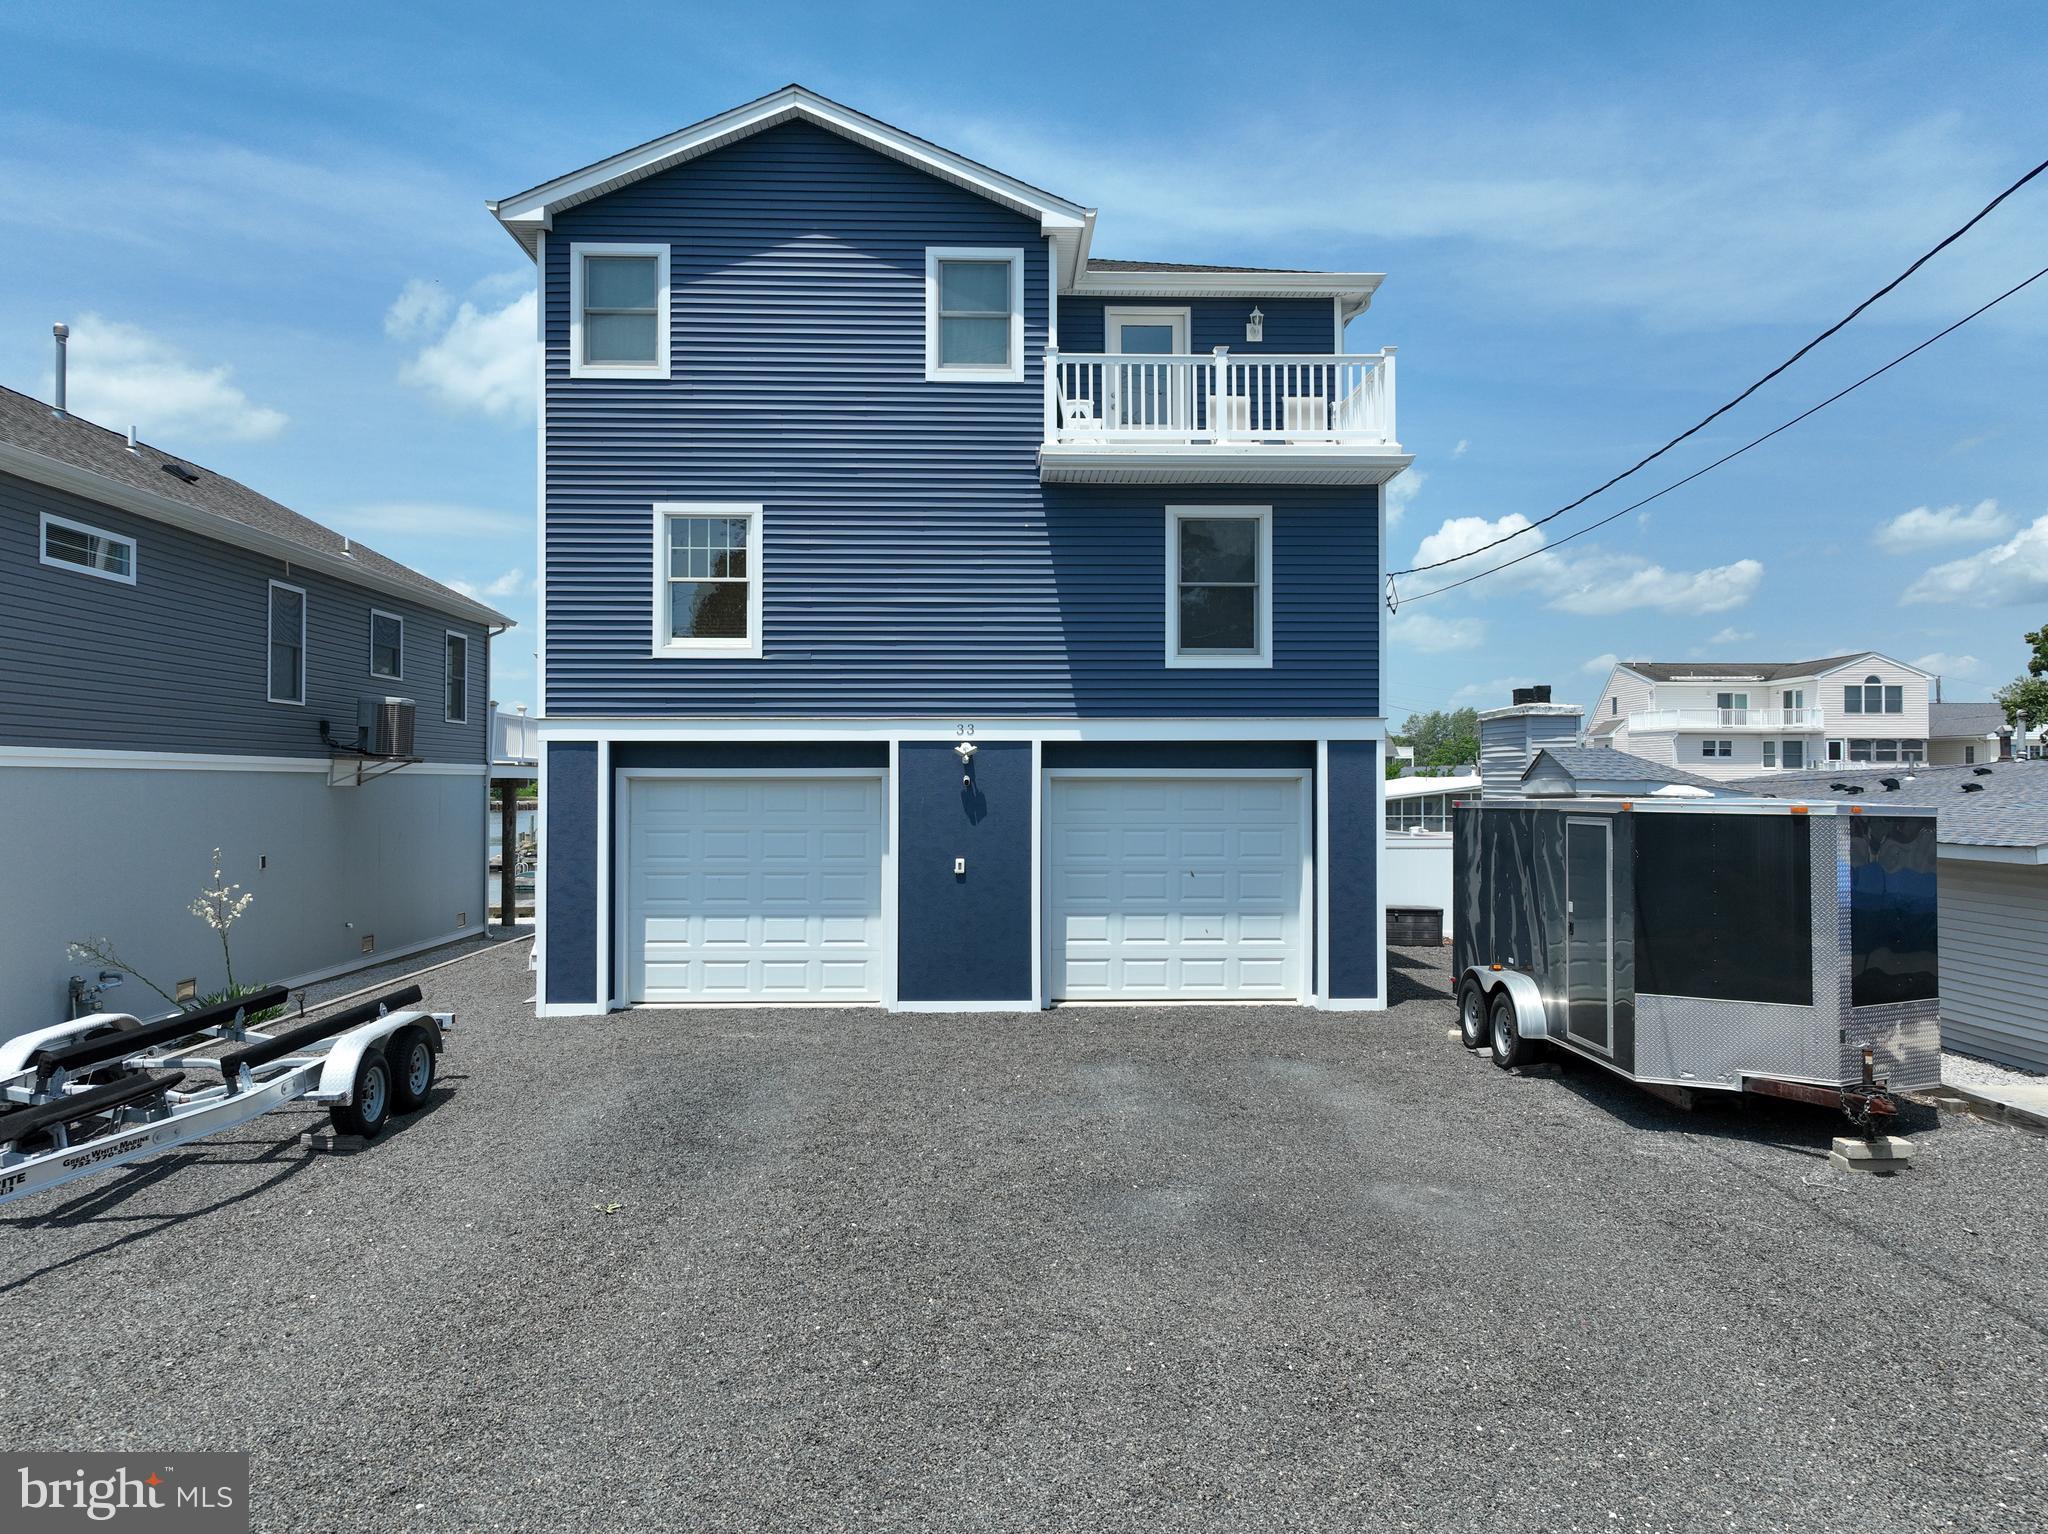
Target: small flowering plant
<point x="220" y="905"/>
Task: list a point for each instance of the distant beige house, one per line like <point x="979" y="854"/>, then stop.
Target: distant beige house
<point x="1740" y="719"/>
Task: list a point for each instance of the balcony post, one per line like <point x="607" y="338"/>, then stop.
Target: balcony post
<point x="1052" y="410"/>
<point x="1219" y="395"/>
<point x="1387" y="395"/>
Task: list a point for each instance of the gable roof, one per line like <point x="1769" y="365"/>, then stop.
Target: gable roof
<point x="1603" y="764"/>
<point x="1964" y="719"/>
<point x="1735" y="671"/>
<point x="2008" y="807"/>
<point x="69" y="453"/>
<point x="526" y="215"/>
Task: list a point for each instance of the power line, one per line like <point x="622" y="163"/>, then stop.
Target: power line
<point x="1755" y="442"/>
<point x="1707" y="420"/>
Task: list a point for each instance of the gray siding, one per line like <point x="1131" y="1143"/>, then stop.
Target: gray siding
<point x="1994" y="930"/>
<point x="913" y="564"/>
<point x="178" y="662"/>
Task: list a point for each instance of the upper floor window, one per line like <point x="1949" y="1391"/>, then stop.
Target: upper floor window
<point x="387" y="646"/>
<point x="974" y="314"/>
<point x="1873" y="697"/>
<point x="707" y="579"/>
<point x="1717" y="748"/>
<point x="1219" y="589"/>
<point x="1613" y="706"/>
<point x="618" y="311"/>
<point x="74" y="546"/>
<point x="455" y="677"/>
<point x="287" y="643"/>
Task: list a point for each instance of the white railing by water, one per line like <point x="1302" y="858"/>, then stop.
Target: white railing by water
<point x="1252" y="397"/>
<point x="1729" y="719"/>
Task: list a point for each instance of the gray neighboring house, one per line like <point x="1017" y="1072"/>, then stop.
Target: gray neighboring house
<point x="1993" y="872"/>
<point x="175" y="645"/>
<point x="1963" y="734"/>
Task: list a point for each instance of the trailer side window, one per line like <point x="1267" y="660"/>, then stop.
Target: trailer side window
<point x="1724" y="907"/>
<point x="1892" y="914"/>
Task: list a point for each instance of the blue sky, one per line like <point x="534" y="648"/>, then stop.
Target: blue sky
<point x="1597" y="222"/>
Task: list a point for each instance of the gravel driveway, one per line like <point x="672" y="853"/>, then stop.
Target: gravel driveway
<point x="1246" y="1268"/>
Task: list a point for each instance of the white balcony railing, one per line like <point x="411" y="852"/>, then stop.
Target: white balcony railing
<point x="1261" y="397"/>
<point x="1729" y="719"/>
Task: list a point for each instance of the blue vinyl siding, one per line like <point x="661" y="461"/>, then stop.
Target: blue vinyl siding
<point x="1291" y="324"/>
<point x="570" y="794"/>
<point x="913" y="563"/>
<point x="179" y="661"/>
<point x="1354" y="791"/>
<point x="964" y="937"/>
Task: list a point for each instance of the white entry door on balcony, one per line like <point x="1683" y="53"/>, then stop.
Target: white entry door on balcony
<point x="1149" y="394"/>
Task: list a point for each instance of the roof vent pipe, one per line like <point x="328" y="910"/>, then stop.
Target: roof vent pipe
<point x="131" y="443"/>
<point x="62" y="332"/>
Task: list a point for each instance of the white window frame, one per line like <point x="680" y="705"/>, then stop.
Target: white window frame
<point x="666" y="644"/>
<point x="958" y="372"/>
<point x="387" y="676"/>
<point x="50" y="520"/>
<point x="446" y="716"/>
<point x="579" y="251"/>
<point x="1716" y="748"/>
<point x="305" y="623"/>
<point x="1262" y="657"/>
<point x="1115" y="317"/>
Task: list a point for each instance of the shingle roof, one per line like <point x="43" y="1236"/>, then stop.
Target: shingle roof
<point x="1769" y="671"/>
<point x="1103" y="264"/>
<point x="2010" y="808"/>
<point x="1601" y="763"/>
<point x="29" y="424"/>
<point x="1964" y="719"/>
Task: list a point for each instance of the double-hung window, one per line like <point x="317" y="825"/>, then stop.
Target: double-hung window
<point x="974" y="314"/>
<point x="707" y="579"/>
<point x="1219" y="586"/>
<point x="287" y="643"/>
<point x="618" y="311"/>
<point x="387" y="646"/>
<point x="74" y="546"/>
<point x="455" y="678"/>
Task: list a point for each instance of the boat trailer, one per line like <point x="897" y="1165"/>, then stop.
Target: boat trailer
<point x="98" y="1092"/>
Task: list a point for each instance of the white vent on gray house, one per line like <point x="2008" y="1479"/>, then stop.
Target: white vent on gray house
<point x="1510" y="737"/>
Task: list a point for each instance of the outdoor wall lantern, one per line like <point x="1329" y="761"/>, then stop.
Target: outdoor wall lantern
<point x="1255" y="326"/>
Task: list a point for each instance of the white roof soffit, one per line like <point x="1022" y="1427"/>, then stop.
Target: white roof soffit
<point x="1355" y="289"/>
<point x="527" y="213"/>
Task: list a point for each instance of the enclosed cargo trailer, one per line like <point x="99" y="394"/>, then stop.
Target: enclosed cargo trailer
<point x="1719" y="944"/>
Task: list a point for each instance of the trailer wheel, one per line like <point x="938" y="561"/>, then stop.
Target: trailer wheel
<point x="1510" y="1049"/>
<point x="369" y="1107"/>
<point x="412" y="1069"/>
<point x="1472" y="1015"/>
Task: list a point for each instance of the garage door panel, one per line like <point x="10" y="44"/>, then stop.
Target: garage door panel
<point x="753" y="889"/>
<point x="1201" y="895"/>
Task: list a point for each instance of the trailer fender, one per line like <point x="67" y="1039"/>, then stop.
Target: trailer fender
<point x="1530" y="1021"/>
<point x="338" y="1068"/>
<point x="16" y="1053"/>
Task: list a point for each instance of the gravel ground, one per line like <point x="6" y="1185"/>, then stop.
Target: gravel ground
<point x="1962" y="1070"/>
<point x="1141" y="1269"/>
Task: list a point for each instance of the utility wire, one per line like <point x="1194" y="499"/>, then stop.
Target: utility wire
<point x="1696" y="473"/>
<point x="1981" y="214"/>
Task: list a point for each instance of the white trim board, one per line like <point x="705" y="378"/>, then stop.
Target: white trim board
<point x="196" y="761"/>
<point x="934" y="370"/>
<point x="370" y="637"/>
<point x="1260" y="656"/>
<point x="580" y="251"/>
<point x="979" y="727"/>
<point x="269" y="640"/>
<point x="667" y="647"/>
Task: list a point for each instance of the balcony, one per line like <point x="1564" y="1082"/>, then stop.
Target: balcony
<point x="1798" y="719"/>
<point x="1220" y="419"/>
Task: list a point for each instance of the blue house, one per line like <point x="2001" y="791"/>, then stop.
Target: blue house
<point x="189" y="665"/>
<point x="936" y="615"/>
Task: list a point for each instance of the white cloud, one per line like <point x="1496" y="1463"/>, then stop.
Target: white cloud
<point x="2007" y="573"/>
<point x="1402" y="492"/>
<point x="482" y="361"/>
<point x="1614" y="583"/>
<point x="512" y="583"/>
<point x="1433" y="635"/>
<point x="1922" y="528"/>
<point x="1600" y="665"/>
<point x="1459" y="450"/>
<point x="431" y="519"/>
<point x="1941" y="663"/>
<point x="1732" y="635"/>
<point x="1462" y="535"/>
<point x="121" y="376"/>
<point x="420" y="308"/>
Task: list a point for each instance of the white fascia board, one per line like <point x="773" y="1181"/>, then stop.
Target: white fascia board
<point x="1086" y="463"/>
<point x="527" y="213"/>
<point x="92" y="486"/>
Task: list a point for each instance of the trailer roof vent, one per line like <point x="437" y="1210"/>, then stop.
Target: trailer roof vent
<point x="1891" y="785"/>
<point x="1973" y="788"/>
<point x="1980" y="772"/>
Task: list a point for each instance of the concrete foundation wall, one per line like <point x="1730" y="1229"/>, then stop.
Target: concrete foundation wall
<point x="120" y="853"/>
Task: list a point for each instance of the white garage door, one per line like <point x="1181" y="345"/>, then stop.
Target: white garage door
<point x="1176" y="887"/>
<point x="758" y="889"/>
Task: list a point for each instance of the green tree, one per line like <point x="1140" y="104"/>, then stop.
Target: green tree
<point x="2029" y="694"/>
<point x="1443" y="739"/>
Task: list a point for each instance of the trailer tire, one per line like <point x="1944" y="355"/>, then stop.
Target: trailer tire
<point x="1510" y="1049"/>
<point x="369" y="1105"/>
<point x="1472" y="1023"/>
<point x="411" y="1055"/>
